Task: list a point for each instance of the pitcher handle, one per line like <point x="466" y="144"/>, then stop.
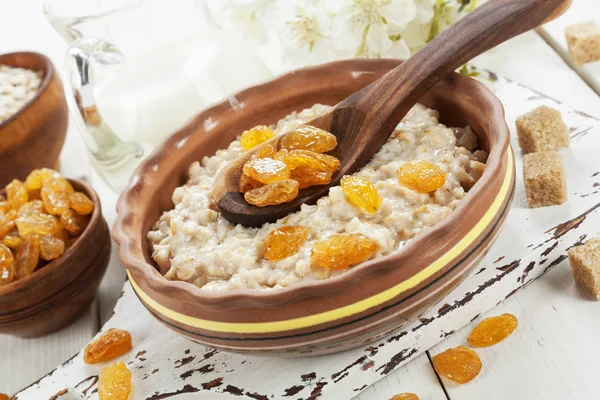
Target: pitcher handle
<point x="105" y="146"/>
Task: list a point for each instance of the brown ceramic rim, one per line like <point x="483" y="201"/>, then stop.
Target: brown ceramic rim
<point x="48" y="74"/>
<point x="132" y="252"/>
<point x="74" y="248"/>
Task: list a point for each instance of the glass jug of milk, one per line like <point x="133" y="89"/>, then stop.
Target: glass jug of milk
<point x="136" y="70"/>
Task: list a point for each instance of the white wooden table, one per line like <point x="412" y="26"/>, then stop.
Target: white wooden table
<point x="552" y="354"/>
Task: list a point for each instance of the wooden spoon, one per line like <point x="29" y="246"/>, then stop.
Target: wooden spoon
<point x="364" y="121"/>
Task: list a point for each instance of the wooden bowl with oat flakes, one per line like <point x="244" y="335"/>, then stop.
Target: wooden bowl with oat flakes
<point x="34" y="135"/>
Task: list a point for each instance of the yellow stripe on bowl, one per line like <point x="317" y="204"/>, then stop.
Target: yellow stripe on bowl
<point x="351" y="309"/>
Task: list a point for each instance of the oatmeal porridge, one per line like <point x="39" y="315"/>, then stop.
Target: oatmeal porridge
<point x="196" y="244"/>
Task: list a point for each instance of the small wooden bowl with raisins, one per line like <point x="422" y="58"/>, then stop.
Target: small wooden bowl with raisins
<point x="60" y="281"/>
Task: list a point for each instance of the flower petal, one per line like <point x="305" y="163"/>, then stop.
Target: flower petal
<point x="398" y="13"/>
<point x="399" y="50"/>
<point x="378" y="41"/>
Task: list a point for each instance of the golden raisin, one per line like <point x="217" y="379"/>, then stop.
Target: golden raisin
<point x="255" y="136"/>
<point x="81" y="203"/>
<point x="247" y="183"/>
<point x="342" y="251"/>
<point x="405" y="396"/>
<point x="114" y="382"/>
<point x="62" y="234"/>
<point x="306" y="158"/>
<point x="493" y="330"/>
<point x="285" y="241"/>
<point x="35" y="194"/>
<point x="55" y="194"/>
<point x="12" y="215"/>
<point x="16" y="194"/>
<point x="6" y="223"/>
<point x="51" y="248"/>
<point x="28" y="256"/>
<point x="266" y="170"/>
<point x="266" y="151"/>
<point x="5" y="206"/>
<point x="361" y="193"/>
<point x="36" y="222"/>
<point x="112" y="343"/>
<point x="307" y="137"/>
<point x="33" y="207"/>
<point x="459" y="364"/>
<point x="37" y="177"/>
<point x="272" y="194"/>
<point x="7" y="266"/>
<point x="73" y="222"/>
<point x="12" y="240"/>
<point x="308" y="177"/>
<point x="421" y="176"/>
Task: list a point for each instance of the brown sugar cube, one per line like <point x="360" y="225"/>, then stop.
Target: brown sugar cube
<point x="585" y="263"/>
<point x="544" y="177"/>
<point x="583" y="40"/>
<point x="541" y="130"/>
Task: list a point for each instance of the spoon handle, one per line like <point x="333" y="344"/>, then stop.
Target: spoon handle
<point x="390" y="97"/>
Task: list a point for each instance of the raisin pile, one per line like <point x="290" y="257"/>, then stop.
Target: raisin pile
<point x="39" y="219"/>
<point x="462" y="364"/>
<point x="274" y="176"/>
<point x="114" y="380"/>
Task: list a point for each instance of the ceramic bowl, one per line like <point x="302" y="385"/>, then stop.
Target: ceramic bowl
<point x="371" y="300"/>
<point x="33" y="137"/>
<point x="55" y="295"/>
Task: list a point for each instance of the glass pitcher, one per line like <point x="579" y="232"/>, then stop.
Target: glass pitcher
<point x="136" y="70"/>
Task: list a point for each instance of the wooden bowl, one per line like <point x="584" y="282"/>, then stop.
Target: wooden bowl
<point x="34" y="136"/>
<point x="357" y="307"/>
<point x="55" y="295"/>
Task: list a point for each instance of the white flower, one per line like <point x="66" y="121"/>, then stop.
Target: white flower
<point x="305" y="33"/>
<point x="371" y="28"/>
<point x="246" y="15"/>
<point x="416" y="33"/>
<point x="319" y="31"/>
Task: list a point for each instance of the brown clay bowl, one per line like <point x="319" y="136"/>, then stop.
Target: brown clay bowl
<point x="362" y="305"/>
<point x="34" y="136"/>
<point x="55" y="295"/>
